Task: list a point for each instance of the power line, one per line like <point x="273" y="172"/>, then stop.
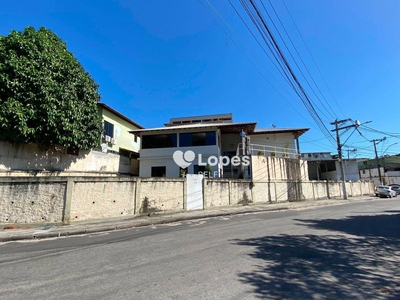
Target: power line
<point x="227" y="34"/>
<point x="298" y="54"/>
<point x="264" y="30"/>
<point x="312" y="57"/>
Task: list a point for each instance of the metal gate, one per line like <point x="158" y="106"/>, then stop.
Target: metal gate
<point x="194" y="191"/>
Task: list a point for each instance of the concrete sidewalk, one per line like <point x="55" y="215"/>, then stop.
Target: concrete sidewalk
<point x="14" y="232"/>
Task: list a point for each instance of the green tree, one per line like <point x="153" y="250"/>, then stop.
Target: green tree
<point x="46" y="96"/>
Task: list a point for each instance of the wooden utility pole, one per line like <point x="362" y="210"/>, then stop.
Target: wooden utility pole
<point x="376" y="142"/>
<point x="339" y="148"/>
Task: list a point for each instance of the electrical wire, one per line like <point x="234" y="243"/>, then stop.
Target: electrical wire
<point x="332" y="116"/>
<point x="312" y="57"/>
<point x="258" y="20"/>
<point x="227" y="34"/>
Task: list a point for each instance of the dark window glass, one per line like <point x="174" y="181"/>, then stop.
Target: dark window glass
<point x="185" y="139"/>
<point x="197" y="139"/>
<point x="108" y="129"/>
<point x="159" y="141"/>
<point x="197" y="169"/>
<point x="158" y="171"/>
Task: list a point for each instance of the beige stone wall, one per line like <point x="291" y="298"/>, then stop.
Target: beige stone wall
<point x="281" y="192"/>
<point x="276" y="168"/>
<point x="308" y="190"/>
<point x="241" y="192"/>
<point x="159" y="194"/>
<point x="216" y="193"/>
<point x="104" y="199"/>
<point x="30" y="157"/>
<point x="46" y="199"/>
<point x="335" y="189"/>
<point x="23" y="201"/>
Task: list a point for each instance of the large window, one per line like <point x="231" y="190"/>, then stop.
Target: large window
<point x="197" y="169"/>
<point x="159" y="141"/>
<point x="158" y="171"/>
<point x="108" y="129"/>
<point x="197" y="139"/>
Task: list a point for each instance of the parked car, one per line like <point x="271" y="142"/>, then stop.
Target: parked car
<point x="385" y="191"/>
<point x="396" y="188"/>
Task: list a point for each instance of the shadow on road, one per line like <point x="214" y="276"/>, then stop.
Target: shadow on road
<point x="387" y="225"/>
<point x="365" y="266"/>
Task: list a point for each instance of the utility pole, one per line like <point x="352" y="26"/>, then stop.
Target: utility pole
<point x="376" y="142"/>
<point x="339" y="148"/>
<point x="348" y="152"/>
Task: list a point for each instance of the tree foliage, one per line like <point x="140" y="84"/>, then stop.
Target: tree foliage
<point x="46" y="96"/>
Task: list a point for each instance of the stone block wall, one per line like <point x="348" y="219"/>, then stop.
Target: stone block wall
<point x="160" y="194"/>
<point x="72" y="199"/>
<point x="26" y="201"/>
<point x="102" y="199"/>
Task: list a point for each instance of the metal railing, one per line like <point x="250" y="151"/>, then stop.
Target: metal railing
<point x="264" y="150"/>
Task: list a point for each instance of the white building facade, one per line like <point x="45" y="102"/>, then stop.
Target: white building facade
<point x="208" y="144"/>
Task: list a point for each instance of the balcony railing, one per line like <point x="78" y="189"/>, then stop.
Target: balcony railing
<point x="264" y="150"/>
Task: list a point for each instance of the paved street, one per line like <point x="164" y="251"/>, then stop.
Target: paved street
<point x="349" y="251"/>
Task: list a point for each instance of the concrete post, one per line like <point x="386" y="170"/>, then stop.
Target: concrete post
<point x="185" y="194"/>
<point x="204" y="192"/>
<point x="327" y="189"/>
<point x="313" y="190"/>
<point x="137" y="196"/>
<point x="66" y="216"/>
<point x="230" y="191"/>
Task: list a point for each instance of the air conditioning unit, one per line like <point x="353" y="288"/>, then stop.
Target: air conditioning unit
<point x="108" y="138"/>
<point x="113" y="141"/>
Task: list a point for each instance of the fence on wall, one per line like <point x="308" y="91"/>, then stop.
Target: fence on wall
<point x="72" y="199"/>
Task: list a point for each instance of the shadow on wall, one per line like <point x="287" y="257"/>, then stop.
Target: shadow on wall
<point x="37" y="158"/>
<point x="331" y="266"/>
<point x="148" y="207"/>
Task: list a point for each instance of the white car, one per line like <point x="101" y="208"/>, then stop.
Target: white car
<point x="385" y="191"/>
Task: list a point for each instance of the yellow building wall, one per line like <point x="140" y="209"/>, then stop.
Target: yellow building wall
<point x="123" y="138"/>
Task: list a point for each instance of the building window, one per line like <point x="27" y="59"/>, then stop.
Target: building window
<point x="158" y="171"/>
<point x="108" y="129"/>
<point x="159" y="141"/>
<point x="197" y="139"/>
<point x="197" y="169"/>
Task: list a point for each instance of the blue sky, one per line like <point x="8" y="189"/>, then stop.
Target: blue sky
<point x="157" y="59"/>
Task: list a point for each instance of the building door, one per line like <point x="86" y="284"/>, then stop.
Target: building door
<point x="194" y="191"/>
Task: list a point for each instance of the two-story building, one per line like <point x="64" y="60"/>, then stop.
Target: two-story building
<point x="116" y="153"/>
<point x="208" y="144"/>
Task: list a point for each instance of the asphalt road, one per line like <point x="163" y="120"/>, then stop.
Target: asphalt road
<point x="349" y="251"/>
